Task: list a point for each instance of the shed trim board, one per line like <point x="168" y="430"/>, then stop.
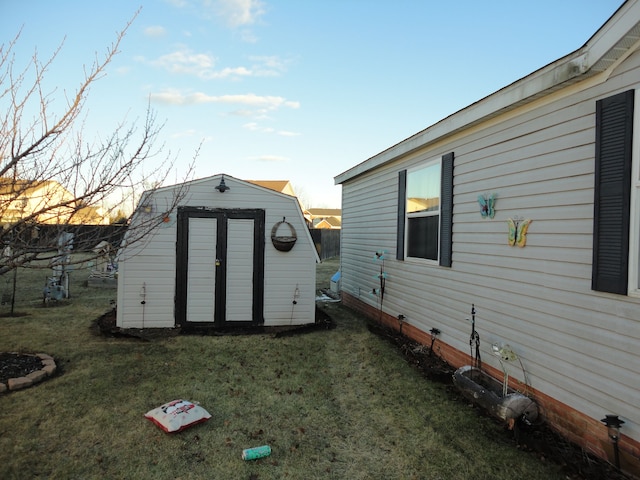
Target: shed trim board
<point x="554" y="269"/>
<point x="215" y="258"/>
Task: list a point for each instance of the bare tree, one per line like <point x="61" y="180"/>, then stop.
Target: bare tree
<point x="52" y="174"/>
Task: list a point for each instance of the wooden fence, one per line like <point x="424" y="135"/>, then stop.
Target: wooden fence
<point x="85" y="237"/>
<point x="327" y="242"/>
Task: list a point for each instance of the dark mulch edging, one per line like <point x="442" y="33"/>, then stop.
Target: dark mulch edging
<point x="538" y="439"/>
<point x="420" y="356"/>
<point x="106" y="325"/>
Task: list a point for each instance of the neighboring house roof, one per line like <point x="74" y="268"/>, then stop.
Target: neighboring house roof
<point x="610" y="45"/>
<point x="324" y="217"/>
<point x="329" y="222"/>
<point x="282" y="186"/>
<point x="89" y="216"/>
<point x="322" y="212"/>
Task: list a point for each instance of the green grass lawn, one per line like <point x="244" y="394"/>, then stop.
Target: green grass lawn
<point x="332" y="404"/>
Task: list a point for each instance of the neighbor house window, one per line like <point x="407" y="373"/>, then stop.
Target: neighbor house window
<point x="425" y="206"/>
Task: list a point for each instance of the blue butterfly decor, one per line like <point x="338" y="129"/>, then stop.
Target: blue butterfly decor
<point x="487" y="205"/>
<point x="518" y="231"/>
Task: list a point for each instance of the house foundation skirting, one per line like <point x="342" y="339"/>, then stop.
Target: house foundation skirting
<point x="586" y="432"/>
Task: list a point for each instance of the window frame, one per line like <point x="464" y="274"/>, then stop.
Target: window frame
<point x="425" y="213"/>
<point x="633" y="289"/>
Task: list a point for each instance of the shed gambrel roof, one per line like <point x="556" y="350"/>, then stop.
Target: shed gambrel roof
<point x="618" y="38"/>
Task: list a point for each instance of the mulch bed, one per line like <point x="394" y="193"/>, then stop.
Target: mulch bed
<point x="538" y="438"/>
<point x="15" y="365"/>
<point x="106" y="325"/>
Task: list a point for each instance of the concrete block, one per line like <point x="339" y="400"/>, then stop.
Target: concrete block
<point x="19" y="383"/>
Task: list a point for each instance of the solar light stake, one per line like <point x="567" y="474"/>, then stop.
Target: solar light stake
<point x="613" y="424"/>
<point x="434" y="333"/>
<point x="401" y="319"/>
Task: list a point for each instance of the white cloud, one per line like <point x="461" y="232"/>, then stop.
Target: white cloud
<point x="202" y="65"/>
<point x="285" y="133"/>
<point x="233" y="13"/>
<point x="177" y="3"/>
<point x="270" y="158"/>
<point x="185" y="61"/>
<point x="238" y="13"/>
<point x="155" y="31"/>
<point x="268" y="66"/>
<point x="266" y="102"/>
<point x="255" y="127"/>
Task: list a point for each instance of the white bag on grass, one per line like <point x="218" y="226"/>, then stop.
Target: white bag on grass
<point x="177" y="415"/>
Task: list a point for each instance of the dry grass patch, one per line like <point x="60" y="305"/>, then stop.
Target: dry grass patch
<point x="332" y="404"/>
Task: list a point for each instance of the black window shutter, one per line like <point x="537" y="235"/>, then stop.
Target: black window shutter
<point x="402" y="210"/>
<point x="612" y="193"/>
<point x="446" y="210"/>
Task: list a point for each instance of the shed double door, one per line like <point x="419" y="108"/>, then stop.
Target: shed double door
<point x="220" y="267"/>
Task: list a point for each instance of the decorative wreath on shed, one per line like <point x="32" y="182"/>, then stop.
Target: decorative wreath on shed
<point x="284" y="243"/>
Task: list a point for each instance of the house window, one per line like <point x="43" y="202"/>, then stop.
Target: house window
<point x="423" y="211"/>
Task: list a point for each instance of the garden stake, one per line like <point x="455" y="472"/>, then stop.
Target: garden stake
<point x="143" y="302"/>
<point x="382" y="276"/>
<point x="474" y="339"/>
<point x="296" y="295"/>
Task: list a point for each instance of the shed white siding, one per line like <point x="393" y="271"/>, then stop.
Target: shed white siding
<point x="577" y="345"/>
<point x="147" y="269"/>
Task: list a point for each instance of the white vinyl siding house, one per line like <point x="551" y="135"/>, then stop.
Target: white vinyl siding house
<point x="560" y="148"/>
<point x="212" y="262"/>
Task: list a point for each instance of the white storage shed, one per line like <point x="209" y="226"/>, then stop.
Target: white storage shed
<point x="225" y="253"/>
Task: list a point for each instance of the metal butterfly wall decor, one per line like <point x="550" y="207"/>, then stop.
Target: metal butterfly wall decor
<point x="518" y="231"/>
<point x="487" y="205"/>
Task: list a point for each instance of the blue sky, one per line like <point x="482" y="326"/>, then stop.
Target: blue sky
<point x="294" y="89"/>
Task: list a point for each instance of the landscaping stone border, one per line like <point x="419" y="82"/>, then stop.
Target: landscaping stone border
<point x="48" y="369"/>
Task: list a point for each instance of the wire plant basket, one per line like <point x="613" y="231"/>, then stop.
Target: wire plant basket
<point x="284" y="243"/>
